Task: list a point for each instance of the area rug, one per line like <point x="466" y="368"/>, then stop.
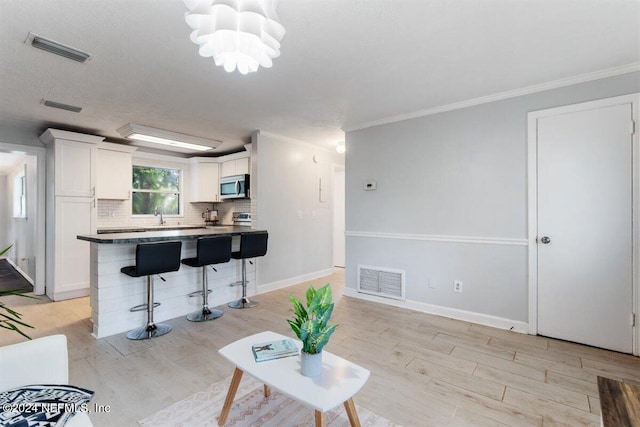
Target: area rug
<point x="11" y="280"/>
<point x="251" y="408"/>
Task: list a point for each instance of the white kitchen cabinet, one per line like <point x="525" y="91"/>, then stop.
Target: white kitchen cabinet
<point x="75" y="166"/>
<point x="114" y="172"/>
<point x="71" y="257"/>
<point x="238" y="166"/>
<point x="70" y="210"/>
<point x="205" y="181"/>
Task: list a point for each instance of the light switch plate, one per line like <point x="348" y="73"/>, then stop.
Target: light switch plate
<point x="369" y="185"/>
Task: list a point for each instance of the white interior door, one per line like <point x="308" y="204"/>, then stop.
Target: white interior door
<point x="585" y="234"/>
<point x="338" y="217"/>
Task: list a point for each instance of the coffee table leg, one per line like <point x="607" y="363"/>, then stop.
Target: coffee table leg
<point x="267" y="391"/>
<point x="233" y="387"/>
<point x="351" y="413"/>
<point x="321" y="419"/>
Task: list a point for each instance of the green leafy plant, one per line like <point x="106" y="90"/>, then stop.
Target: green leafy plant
<point x="5" y="250"/>
<point x="11" y="319"/>
<point x="311" y="323"/>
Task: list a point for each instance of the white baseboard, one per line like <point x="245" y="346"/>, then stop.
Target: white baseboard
<point x="19" y="270"/>
<point x="294" y="280"/>
<point x="77" y="293"/>
<point x="454" y="313"/>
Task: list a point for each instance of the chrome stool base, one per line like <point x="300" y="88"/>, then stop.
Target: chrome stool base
<point x="150" y="331"/>
<point x="243" y="302"/>
<point x="204" y="315"/>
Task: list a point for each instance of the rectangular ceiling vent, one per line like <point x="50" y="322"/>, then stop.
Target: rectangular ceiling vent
<point x="380" y="281"/>
<point x="54" y="104"/>
<point x="58" y="48"/>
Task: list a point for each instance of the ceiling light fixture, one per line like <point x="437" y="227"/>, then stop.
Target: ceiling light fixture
<point x="138" y="132"/>
<point x="341" y="148"/>
<point x="242" y="34"/>
<point x="57" y="48"/>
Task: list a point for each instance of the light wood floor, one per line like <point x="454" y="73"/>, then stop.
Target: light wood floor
<point x="425" y="370"/>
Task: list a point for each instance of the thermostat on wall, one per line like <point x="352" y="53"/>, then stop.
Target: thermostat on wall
<point x="369" y="185"/>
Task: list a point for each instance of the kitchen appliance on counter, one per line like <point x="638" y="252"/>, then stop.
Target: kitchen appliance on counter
<point x="234" y="187"/>
<point x="242" y="219"/>
<point x="210" y="217"/>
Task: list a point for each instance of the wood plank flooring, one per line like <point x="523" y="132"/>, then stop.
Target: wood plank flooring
<point x="425" y="370"/>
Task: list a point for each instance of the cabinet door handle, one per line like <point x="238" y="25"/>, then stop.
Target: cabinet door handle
<point x="93" y="191"/>
<point x="94" y="203"/>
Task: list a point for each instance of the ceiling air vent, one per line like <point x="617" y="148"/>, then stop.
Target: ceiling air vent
<point x="61" y="106"/>
<point x="58" y="48"/>
<point x="384" y="282"/>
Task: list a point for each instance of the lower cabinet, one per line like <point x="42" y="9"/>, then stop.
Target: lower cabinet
<point x="71" y="257"/>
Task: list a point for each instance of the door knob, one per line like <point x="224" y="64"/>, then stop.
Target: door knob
<point x="545" y="239"/>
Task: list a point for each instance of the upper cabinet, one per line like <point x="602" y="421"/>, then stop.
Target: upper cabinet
<point x="114" y="171"/>
<point x="205" y="182"/>
<point x="72" y="162"/>
<point x="238" y="166"/>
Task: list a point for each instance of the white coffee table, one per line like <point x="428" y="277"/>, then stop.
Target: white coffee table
<point x="339" y="382"/>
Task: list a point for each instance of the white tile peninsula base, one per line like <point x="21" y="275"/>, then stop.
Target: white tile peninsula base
<point x="114" y="293"/>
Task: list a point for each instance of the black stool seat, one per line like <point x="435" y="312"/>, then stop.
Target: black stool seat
<point x="210" y="250"/>
<point x="152" y="259"/>
<point x="251" y="245"/>
<point x="155" y="258"/>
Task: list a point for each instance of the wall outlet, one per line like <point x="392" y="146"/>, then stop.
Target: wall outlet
<point x="457" y="286"/>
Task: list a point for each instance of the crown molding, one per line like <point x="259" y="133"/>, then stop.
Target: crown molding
<point x="582" y="78"/>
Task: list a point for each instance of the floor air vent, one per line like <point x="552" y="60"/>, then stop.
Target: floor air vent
<point x="384" y="282"/>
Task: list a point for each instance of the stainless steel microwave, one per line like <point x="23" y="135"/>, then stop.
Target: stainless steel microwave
<point x="234" y="187"/>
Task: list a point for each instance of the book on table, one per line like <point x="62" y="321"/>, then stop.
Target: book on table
<point x="274" y="350"/>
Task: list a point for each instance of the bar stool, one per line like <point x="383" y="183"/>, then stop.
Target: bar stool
<point x="152" y="259"/>
<point x="251" y="245"/>
<point x="211" y="250"/>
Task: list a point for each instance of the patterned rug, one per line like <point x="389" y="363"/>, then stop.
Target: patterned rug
<point x="251" y="408"/>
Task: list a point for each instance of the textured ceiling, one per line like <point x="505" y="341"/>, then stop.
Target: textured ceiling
<point x="343" y="62"/>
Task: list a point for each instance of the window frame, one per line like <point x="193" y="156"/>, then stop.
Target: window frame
<point x="180" y="191"/>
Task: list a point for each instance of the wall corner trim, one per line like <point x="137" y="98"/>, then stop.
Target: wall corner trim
<point x="568" y="81"/>
<point x="454" y="313"/>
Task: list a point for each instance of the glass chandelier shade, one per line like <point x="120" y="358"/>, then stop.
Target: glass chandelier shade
<point x="242" y="34"/>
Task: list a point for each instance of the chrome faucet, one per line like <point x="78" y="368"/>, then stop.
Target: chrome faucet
<point x="159" y="211"/>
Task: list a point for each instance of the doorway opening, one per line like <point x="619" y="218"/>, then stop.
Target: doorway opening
<point x="22" y="222"/>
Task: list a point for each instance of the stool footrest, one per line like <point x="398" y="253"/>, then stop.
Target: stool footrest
<point x="143" y="307"/>
<point x="238" y="283"/>
<point x="198" y="293"/>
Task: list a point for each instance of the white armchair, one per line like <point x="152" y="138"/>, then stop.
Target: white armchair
<point x="40" y="361"/>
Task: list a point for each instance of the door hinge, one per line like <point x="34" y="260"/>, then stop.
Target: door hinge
<point x="633" y="319"/>
<point x="632" y="127"/>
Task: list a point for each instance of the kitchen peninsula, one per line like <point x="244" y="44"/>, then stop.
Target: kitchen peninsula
<point x="113" y="293"/>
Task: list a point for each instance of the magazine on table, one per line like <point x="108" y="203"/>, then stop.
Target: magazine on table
<point x="274" y="350"/>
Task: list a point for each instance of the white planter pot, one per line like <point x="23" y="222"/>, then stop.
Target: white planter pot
<point x="311" y="364"/>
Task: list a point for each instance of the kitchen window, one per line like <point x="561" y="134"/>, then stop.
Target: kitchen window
<point x="156" y="188"/>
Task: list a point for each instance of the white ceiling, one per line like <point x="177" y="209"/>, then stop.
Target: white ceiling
<point x="343" y="63"/>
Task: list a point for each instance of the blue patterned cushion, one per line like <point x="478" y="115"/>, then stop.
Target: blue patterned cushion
<point x="42" y="405"/>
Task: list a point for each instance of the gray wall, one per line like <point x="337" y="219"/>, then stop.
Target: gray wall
<point x="287" y="205"/>
<point x="459" y="174"/>
<point x="4" y="213"/>
<point x="22" y="231"/>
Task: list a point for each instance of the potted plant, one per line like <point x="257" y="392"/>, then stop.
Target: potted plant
<point x="311" y="326"/>
<point x="10" y="319"/>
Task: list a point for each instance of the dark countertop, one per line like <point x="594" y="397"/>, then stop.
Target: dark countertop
<point x="619" y="402"/>
<point x="157" y="236"/>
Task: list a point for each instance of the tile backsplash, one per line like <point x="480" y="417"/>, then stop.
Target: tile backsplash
<point x="117" y="213"/>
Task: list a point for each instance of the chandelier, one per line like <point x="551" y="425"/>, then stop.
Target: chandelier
<point x="242" y="34"/>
